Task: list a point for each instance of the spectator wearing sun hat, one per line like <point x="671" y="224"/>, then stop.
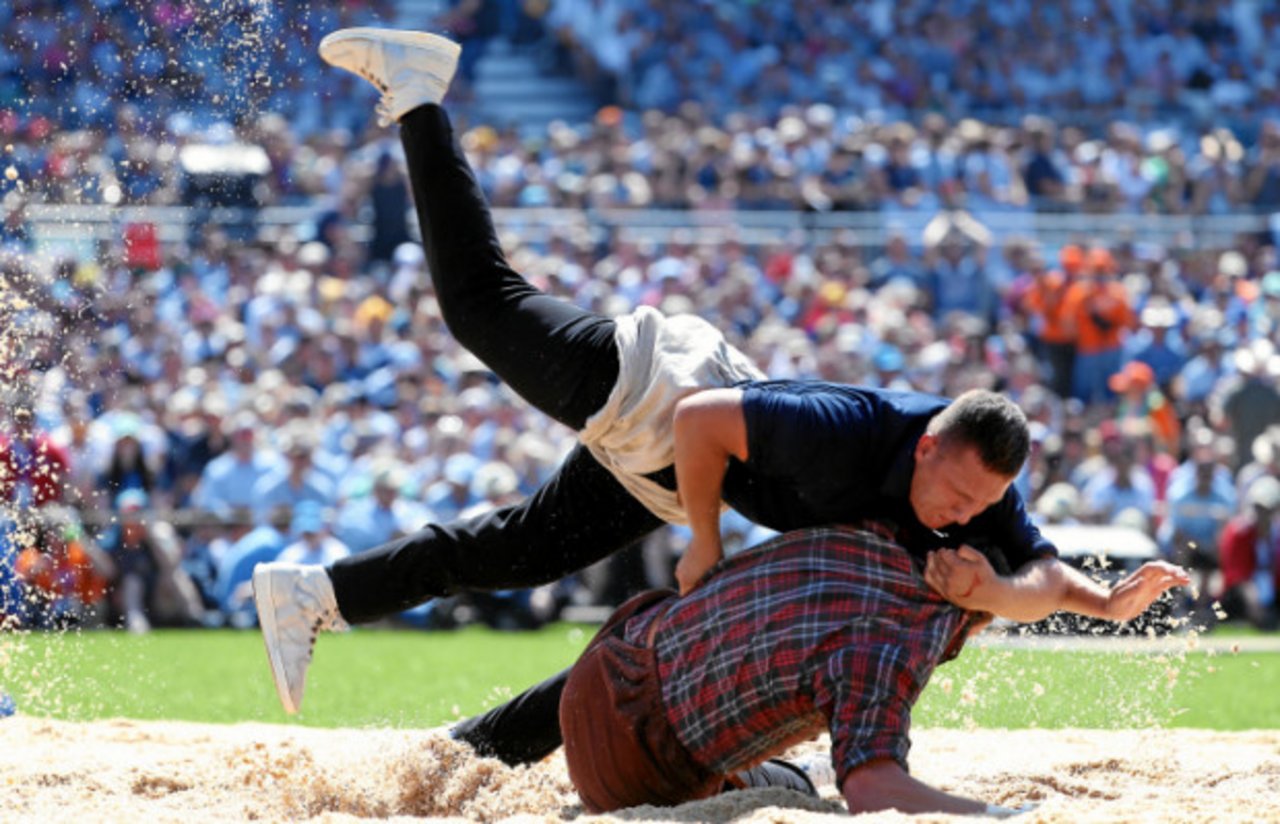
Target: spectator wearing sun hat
<point x="1265" y="451"/>
<point x="1156" y="342"/>
<point x="297" y="480"/>
<point x="452" y="493"/>
<point x="1210" y="365"/>
<point x="1059" y="504"/>
<point x="1249" y="402"/>
<point x="382" y="515"/>
<point x="1122" y="483"/>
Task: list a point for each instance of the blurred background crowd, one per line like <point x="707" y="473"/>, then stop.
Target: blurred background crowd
<point x="179" y="406"/>
<point x="1149" y="105"/>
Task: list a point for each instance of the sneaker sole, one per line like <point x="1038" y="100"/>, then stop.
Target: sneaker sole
<point x="262" y="596"/>
<point x="434" y="42"/>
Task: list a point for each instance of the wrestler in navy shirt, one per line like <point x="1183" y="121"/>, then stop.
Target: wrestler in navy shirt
<point x="827" y="453"/>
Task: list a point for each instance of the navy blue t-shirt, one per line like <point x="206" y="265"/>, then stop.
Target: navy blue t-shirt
<point x="825" y="453"/>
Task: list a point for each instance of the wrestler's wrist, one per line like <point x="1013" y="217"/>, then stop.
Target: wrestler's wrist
<point x="997" y="595"/>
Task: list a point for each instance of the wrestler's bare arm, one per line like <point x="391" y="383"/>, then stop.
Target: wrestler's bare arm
<point x="1040" y="588"/>
<point x="709" y="428"/>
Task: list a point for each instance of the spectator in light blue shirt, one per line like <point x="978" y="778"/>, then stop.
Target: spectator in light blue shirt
<point x="1157" y="344"/>
<point x="297" y="480"/>
<point x="1120" y="486"/>
<point x="229" y="482"/>
<point x="1184" y="477"/>
<point x="1206" y="370"/>
<point x="312" y="542"/>
<point x="1196" y="516"/>
<point x="235" y="569"/>
<point x="957" y="274"/>
<point x="450" y="495"/>
<point x="381" y="516"/>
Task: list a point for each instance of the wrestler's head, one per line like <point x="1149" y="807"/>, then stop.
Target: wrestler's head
<point x="969" y="455"/>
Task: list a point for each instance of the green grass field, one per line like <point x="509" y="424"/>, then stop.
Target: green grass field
<point x="416" y="679"/>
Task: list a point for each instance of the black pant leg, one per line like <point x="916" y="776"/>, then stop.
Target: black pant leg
<point x="580" y="515"/>
<point x="527" y="728"/>
<point x="557" y="356"/>
<point x="521" y="731"/>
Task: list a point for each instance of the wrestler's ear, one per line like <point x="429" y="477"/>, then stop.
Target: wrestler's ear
<point x="925" y="447"/>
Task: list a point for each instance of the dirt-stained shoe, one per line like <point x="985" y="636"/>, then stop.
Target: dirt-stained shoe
<point x="410" y="68"/>
<point x="775" y="773"/>
<point x="295" y="603"/>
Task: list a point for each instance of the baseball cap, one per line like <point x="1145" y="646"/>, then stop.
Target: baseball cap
<point x="1135" y="374"/>
<point x="132" y="500"/>
<point x="308" y="516"/>
<point x="889" y="358"/>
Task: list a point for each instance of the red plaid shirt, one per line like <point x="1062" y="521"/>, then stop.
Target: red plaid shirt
<point x="823" y="628"/>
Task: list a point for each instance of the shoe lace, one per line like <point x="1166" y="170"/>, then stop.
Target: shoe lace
<point x="389" y="108"/>
<point x="386" y="104"/>
<point x="385" y="109"/>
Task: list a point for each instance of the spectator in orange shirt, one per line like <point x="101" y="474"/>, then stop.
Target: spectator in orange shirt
<point x="63" y="573"/>
<point x="1098" y="307"/>
<point x="1140" y="398"/>
<point x="1054" y="333"/>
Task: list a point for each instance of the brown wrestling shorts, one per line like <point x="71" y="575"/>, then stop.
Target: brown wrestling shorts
<point x="620" y="749"/>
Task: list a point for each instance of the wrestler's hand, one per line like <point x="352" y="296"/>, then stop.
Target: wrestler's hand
<point x="1131" y="596"/>
<point x="963" y="576"/>
<point x="700" y="556"/>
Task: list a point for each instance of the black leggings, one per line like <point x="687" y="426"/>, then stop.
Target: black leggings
<point x="558" y="357"/>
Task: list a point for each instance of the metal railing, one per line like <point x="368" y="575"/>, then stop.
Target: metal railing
<point x="76" y="229"/>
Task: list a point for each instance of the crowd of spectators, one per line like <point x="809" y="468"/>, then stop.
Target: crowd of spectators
<point x="177" y="411"/>
<point x="1147" y="106"/>
<point x="816" y="158"/>
<point x="813" y="158"/>
<point x="276" y="397"/>
<point x="1203" y="58"/>
<point x="72" y="63"/>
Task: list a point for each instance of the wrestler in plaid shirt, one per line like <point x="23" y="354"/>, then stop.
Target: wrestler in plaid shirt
<point x="824" y="628"/>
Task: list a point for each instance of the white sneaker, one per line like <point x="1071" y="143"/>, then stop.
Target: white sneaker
<point x="818" y="767"/>
<point x="295" y="602"/>
<point x="410" y="68"/>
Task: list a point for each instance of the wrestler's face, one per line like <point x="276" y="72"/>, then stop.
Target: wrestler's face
<point x="950" y="484"/>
